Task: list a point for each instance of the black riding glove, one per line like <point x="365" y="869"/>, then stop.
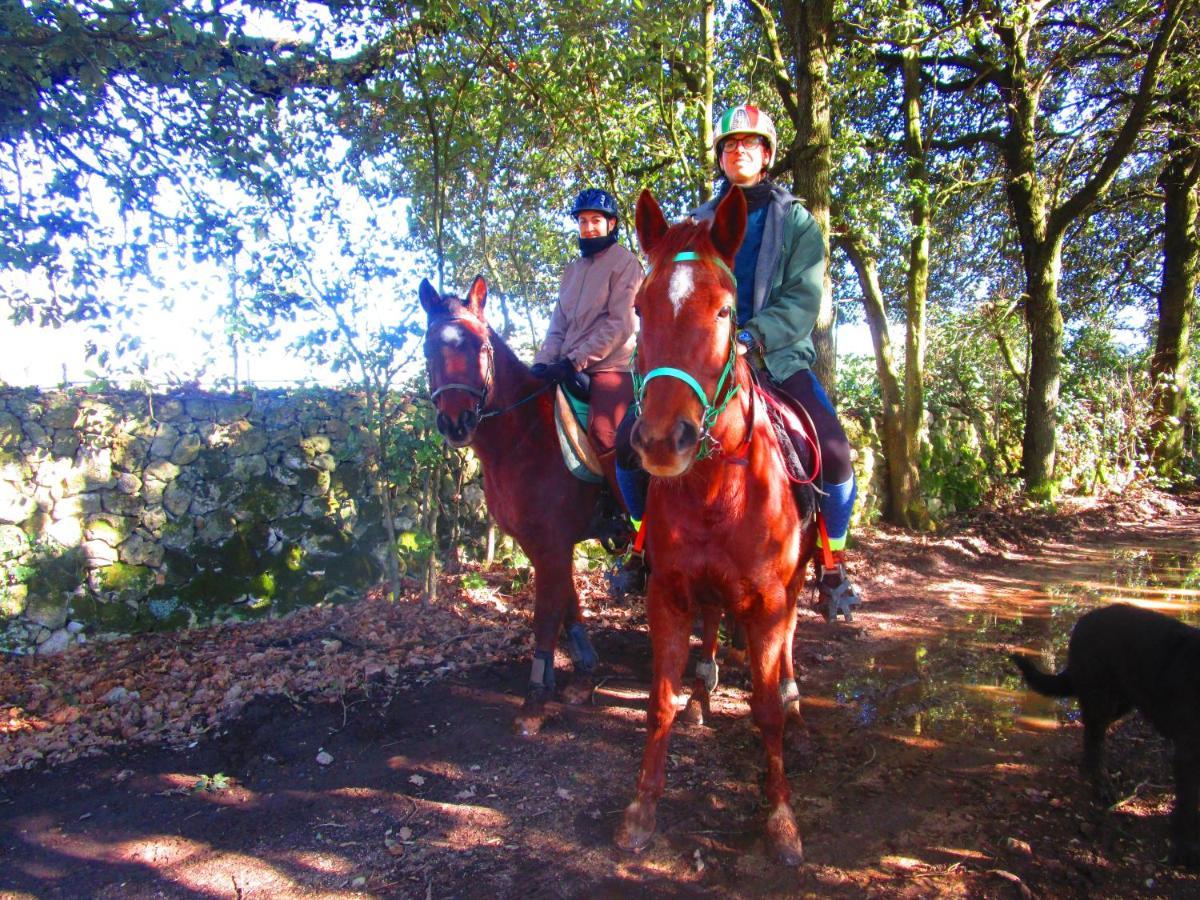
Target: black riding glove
<point x="559" y="370"/>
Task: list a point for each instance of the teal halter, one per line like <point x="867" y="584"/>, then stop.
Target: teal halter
<point x="713" y="410"/>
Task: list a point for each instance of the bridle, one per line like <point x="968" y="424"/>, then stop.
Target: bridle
<point x="725" y="383"/>
<point x="483" y="395"/>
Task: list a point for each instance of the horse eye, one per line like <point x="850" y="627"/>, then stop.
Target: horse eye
<point x="725" y="312"/>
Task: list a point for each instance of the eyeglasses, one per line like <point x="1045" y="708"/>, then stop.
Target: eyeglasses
<point x="749" y="141"/>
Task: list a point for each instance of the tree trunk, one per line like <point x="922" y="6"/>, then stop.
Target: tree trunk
<point x="1170" y="365"/>
<point x="908" y="494"/>
<point x="811" y="27"/>
<point x="708" y="154"/>
<point x="1044" y="318"/>
<point x="891" y="433"/>
<point x="1041" y="226"/>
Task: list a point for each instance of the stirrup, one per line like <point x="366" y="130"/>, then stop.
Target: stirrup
<point x="838" y="599"/>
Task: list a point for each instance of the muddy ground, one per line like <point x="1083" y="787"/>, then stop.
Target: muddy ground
<point x="366" y="751"/>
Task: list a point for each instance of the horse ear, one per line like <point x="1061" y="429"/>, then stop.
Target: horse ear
<point x="650" y="222"/>
<point x="431" y="300"/>
<point x="729" y="223"/>
<point x="477" y="296"/>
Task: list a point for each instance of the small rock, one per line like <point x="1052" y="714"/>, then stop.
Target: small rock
<point x="358" y="882"/>
<point x="324" y="758"/>
<point x="1019" y="846"/>
<point x="56" y="643"/>
<point x="115" y="696"/>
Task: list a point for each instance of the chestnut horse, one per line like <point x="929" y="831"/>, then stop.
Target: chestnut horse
<point x="722" y="523"/>
<point x="487" y="399"/>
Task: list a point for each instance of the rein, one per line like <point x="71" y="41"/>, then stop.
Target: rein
<point x="712" y="409"/>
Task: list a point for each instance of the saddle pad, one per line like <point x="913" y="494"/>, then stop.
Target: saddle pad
<point x="571" y="426"/>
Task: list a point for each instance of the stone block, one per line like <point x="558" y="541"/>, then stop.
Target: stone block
<point x="164" y="441"/>
<point x="36" y="435"/>
<point x="110" y="529"/>
<point x="247" y="467"/>
<point x="162" y="470"/>
<point x="61" y="415"/>
<point x="168" y="409"/>
<point x="177" y="498"/>
<point x="140" y="551"/>
<point x="58" y="641"/>
<point x="187" y="449"/>
<point x="315" y="445"/>
<point x="15" y="506"/>
<point x="67" y="531"/>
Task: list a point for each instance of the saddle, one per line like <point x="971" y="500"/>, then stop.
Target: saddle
<point x="796" y="437"/>
<point x="570" y="423"/>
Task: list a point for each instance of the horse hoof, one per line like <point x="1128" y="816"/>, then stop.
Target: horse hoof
<point x="532" y="717"/>
<point x="579" y="691"/>
<point x="693" y="713"/>
<point x="528" y="726"/>
<point x="791" y="712"/>
<point x="637" y="827"/>
<point x="783" y="835"/>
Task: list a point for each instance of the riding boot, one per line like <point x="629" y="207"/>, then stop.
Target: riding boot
<point x="627" y="575"/>
<point x="836" y="593"/>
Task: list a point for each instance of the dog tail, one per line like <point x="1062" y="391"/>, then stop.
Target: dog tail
<point x="1059" y="685"/>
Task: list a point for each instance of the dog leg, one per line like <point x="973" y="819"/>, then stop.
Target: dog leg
<point x="1094" y="727"/>
<point x="1185" y="825"/>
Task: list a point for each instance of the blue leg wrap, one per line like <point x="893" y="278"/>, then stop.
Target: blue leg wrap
<point x="542" y="672"/>
<point x="633" y="484"/>
<point x="583" y="655"/>
<point x="836" y="507"/>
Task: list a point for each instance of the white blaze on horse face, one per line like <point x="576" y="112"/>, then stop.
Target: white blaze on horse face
<point x="452" y="335"/>
<point x="680" y="287"/>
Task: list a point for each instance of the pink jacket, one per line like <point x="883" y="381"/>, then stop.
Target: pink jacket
<point x="593" y="322"/>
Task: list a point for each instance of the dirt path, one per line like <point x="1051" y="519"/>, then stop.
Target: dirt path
<point x="920" y="769"/>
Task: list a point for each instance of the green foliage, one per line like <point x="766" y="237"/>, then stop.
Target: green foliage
<point x="211" y="784"/>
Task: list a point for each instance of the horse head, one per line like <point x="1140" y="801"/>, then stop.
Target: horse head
<point x="686" y="352"/>
<point x="458" y="359"/>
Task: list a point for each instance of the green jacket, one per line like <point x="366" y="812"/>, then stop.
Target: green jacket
<point x="788" y="283"/>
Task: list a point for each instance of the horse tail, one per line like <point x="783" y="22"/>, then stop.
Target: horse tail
<point x="1059" y="685"/>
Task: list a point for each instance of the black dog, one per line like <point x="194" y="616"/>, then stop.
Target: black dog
<point x="1122" y="658"/>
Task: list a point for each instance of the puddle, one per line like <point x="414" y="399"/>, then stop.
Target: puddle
<point x="959" y="682"/>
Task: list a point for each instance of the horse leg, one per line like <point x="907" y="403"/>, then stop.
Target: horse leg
<point x="552" y="588"/>
<point x="698" y="709"/>
<point x="583" y="654"/>
<point x="766" y="662"/>
<point x="789" y="692"/>
<point x="669" y="629"/>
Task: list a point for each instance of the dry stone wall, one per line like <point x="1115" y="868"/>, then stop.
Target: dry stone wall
<point x="122" y="512"/>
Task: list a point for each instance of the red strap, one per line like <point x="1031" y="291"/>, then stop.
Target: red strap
<point x="640" y="539"/>
<point x="826" y="554"/>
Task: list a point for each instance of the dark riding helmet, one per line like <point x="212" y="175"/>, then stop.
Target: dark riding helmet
<point x="595" y="200"/>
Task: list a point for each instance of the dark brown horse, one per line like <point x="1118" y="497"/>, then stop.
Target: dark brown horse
<point x="722" y="523"/>
<point x="487" y="399"/>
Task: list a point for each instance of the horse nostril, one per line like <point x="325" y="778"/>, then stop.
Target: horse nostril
<point x="635" y="436"/>
<point x="685" y="436"/>
<point x="442" y="423"/>
<point x="468" y="420"/>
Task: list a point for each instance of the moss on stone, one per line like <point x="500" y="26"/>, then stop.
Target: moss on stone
<point x="124" y="578"/>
